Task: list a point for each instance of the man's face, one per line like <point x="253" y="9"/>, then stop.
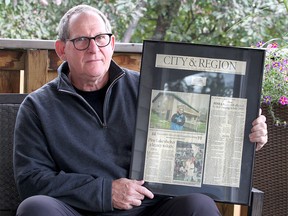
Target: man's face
<point x="91" y="64"/>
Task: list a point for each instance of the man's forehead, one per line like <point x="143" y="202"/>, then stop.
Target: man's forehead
<point x="89" y="15"/>
<point x="86" y="21"/>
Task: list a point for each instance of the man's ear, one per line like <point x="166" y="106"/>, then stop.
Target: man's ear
<point x="112" y="42"/>
<point x="60" y="49"/>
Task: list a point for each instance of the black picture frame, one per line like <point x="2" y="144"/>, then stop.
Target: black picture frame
<point x="212" y="153"/>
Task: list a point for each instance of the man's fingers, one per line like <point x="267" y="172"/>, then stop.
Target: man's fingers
<point x="144" y="191"/>
<point x="136" y="202"/>
<point x="127" y="193"/>
<point x="260" y="120"/>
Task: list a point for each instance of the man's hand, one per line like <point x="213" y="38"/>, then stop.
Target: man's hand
<point x="127" y="193"/>
<point x="259" y="133"/>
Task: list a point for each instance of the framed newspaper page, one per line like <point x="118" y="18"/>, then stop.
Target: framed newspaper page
<point x="195" y="111"/>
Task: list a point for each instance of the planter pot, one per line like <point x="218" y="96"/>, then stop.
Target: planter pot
<point x="271" y="166"/>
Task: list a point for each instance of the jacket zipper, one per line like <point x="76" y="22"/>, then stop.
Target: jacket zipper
<point x="103" y="123"/>
<point x="105" y="105"/>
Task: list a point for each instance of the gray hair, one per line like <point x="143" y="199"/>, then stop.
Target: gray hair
<point x="63" y="27"/>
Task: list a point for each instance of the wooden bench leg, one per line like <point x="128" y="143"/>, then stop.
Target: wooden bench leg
<point x="255" y="209"/>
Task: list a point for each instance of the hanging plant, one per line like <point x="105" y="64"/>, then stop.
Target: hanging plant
<point x="275" y="80"/>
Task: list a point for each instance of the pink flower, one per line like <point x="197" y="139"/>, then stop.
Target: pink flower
<point x="283" y="100"/>
<point x="273" y="45"/>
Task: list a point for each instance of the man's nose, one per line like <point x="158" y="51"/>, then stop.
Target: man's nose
<point x="93" y="46"/>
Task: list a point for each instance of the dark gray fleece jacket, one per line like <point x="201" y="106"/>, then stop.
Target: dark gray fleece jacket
<point x="64" y="150"/>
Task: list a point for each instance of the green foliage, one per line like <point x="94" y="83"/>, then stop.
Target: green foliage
<point x="220" y="22"/>
<point x="34" y="20"/>
<point x="22" y="20"/>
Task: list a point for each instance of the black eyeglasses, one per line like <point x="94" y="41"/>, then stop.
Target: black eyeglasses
<point x="82" y="43"/>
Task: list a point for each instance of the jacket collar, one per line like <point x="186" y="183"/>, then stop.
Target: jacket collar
<point x="64" y="84"/>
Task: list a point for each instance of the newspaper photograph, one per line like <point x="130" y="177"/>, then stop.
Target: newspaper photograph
<point x="176" y="138"/>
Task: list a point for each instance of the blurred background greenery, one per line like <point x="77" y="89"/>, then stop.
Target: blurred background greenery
<point x="217" y="22"/>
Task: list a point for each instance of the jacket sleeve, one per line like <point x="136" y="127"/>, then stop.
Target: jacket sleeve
<point x="36" y="172"/>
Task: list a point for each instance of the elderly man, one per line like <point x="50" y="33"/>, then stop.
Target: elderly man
<point x="73" y="136"/>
